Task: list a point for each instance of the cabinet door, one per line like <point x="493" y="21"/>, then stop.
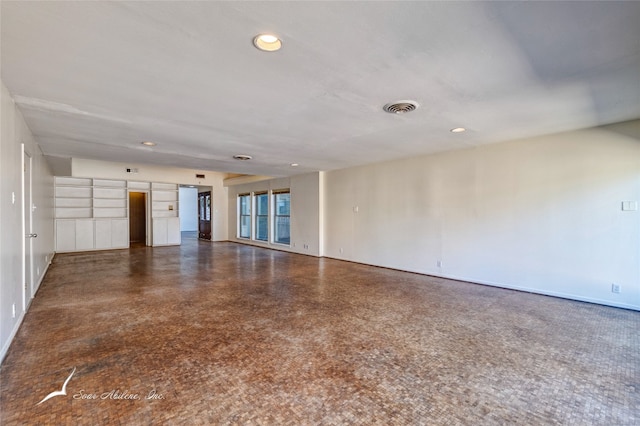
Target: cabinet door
<point x="160" y="232"/>
<point x="103" y="234"/>
<point x="173" y="230"/>
<point x="84" y="234"/>
<point x="65" y="235"/>
<point x="120" y="233"/>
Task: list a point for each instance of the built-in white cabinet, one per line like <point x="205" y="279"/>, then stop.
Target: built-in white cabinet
<point x="93" y="214"/>
<point x="173" y="231"/>
<point x="84" y="234"/>
<point x="103" y="234"/>
<point x="65" y="235"/>
<point x="166" y="223"/>
<point x="90" y="234"/>
<point x="111" y="233"/>
<point x="166" y="231"/>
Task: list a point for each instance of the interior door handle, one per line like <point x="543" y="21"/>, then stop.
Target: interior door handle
<point x="33" y="235"/>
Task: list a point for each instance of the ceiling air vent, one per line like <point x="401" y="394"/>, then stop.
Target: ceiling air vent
<point x="400" y="107"/>
<point x="242" y="157"/>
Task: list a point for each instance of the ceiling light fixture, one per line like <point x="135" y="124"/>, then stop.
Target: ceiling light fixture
<point x="294" y="164"/>
<point x="148" y="143"/>
<point x="458" y="130"/>
<point x="267" y="42"/>
<point x="242" y="157"/>
<point x="400" y="107"/>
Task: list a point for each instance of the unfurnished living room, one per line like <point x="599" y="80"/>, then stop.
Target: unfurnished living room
<point x="319" y="213"/>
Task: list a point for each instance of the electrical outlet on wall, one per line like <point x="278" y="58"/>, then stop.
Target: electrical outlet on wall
<point x="439" y="263"/>
<point x="615" y="288"/>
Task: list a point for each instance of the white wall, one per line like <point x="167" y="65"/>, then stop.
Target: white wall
<point x="305" y="211"/>
<point x="541" y="215"/>
<point x="14" y="132"/>
<point x="149" y="173"/>
<point x="188" y="209"/>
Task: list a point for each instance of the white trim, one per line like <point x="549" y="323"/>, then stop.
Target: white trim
<point x="254" y="219"/>
<point x="239" y="216"/>
<point x="41" y="278"/>
<point x="23" y="274"/>
<point x="544" y="292"/>
<point x="22" y="315"/>
<point x="12" y="335"/>
<point x="568" y="296"/>
<point x="147" y="212"/>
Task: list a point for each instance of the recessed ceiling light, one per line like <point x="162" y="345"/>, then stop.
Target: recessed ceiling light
<point x="242" y="157"/>
<point x="458" y="130"/>
<point x="294" y="164"/>
<point x="148" y="143"/>
<point x="267" y="42"/>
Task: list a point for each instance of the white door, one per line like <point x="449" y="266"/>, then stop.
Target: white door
<point x="27" y="209"/>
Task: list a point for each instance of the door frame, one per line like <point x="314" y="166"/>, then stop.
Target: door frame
<point x="28" y="289"/>
<point x="210" y="192"/>
<point x="147" y="214"/>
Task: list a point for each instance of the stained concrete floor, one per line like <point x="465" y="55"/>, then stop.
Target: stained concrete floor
<point x="222" y="333"/>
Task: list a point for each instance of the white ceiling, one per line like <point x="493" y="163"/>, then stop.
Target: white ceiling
<point x="95" y="79"/>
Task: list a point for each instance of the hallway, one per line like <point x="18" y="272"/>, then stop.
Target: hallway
<point x="223" y="333"/>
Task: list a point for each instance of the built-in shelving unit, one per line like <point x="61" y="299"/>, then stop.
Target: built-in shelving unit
<point x="92" y="214"/>
<point x="165" y="199"/>
<point x="166" y="223"/>
<point x="74" y="198"/>
<point x="109" y="198"/>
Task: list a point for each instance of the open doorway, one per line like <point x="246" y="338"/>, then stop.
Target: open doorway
<point x="188" y="206"/>
<point x="196" y="211"/>
<point x="137" y="219"/>
<point x="204" y="215"/>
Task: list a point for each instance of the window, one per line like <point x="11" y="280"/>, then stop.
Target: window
<point x="262" y="216"/>
<point x="281" y="216"/>
<point x="244" y="223"/>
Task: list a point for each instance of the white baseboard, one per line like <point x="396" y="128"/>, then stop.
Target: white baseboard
<point x="561" y="295"/>
<point x="7" y="344"/>
<point x="44" y="272"/>
<point x="16" y="327"/>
